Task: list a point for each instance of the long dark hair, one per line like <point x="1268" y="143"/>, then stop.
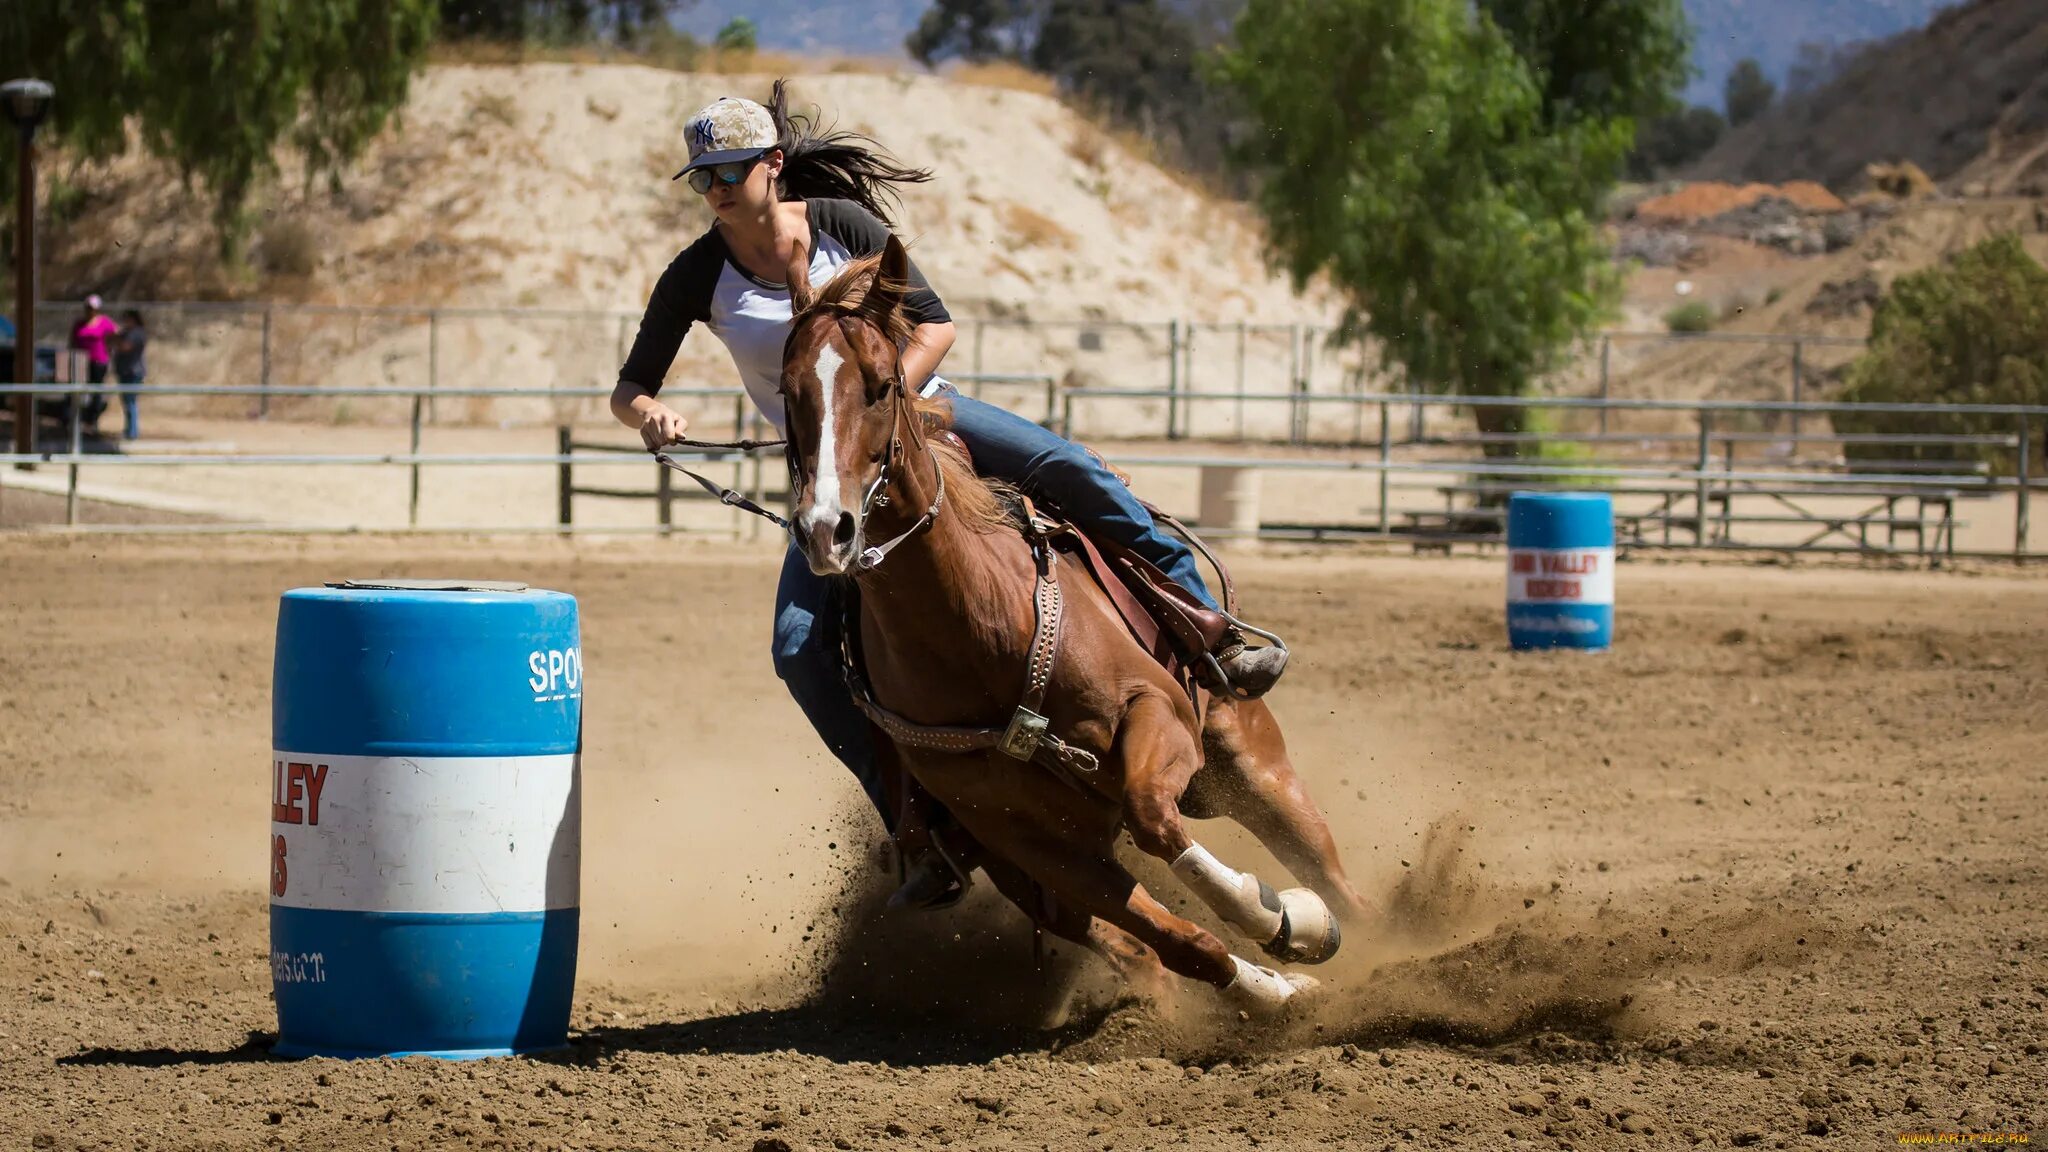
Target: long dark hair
<point x="831" y="164"/>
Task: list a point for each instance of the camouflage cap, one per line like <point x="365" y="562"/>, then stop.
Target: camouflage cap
<point x="726" y="130"/>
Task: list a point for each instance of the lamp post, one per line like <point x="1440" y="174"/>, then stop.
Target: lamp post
<point x="26" y="102"/>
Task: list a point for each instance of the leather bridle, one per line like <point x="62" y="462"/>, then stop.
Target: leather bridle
<point x="877" y="494"/>
<point x="896" y="392"/>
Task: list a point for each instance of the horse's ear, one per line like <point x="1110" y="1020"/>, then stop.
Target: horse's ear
<point x="894" y="278"/>
<point x="799" y="277"/>
<point x="892" y="282"/>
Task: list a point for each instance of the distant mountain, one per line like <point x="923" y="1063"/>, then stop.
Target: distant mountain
<point x="814" y="27"/>
<point x="1725" y="30"/>
<point x="1966" y="99"/>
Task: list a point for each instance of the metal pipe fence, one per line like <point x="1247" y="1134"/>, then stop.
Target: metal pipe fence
<point x="444" y="348"/>
<point x="1703" y="486"/>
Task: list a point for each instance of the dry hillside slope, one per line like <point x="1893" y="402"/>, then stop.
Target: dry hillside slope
<point x="548" y="184"/>
<point x="1965" y="98"/>
<point x="1833" y="295"/>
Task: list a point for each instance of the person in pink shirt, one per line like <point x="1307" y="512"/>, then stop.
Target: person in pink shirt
<point x="90" y="336"/>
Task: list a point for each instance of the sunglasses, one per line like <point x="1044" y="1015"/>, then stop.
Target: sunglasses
<point x="733" y="173"/>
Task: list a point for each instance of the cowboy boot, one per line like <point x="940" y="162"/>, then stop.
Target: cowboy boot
<point x="1251" y="671"/>
<point x="930" y="880"/>
<point x="929" y="884"/>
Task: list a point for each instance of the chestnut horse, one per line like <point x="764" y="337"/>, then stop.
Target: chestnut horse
<point x="948" y="623"/>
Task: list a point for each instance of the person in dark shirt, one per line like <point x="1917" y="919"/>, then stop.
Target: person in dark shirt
<point x="776" y="185"/>
<point x="129" y="369"/>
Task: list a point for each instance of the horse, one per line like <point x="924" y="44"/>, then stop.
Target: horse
<point x="952" y="618"/>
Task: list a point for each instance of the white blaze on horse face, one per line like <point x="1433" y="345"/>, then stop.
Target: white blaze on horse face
<point x="825" y="507"/>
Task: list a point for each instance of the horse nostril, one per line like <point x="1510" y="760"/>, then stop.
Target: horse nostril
<point x="842" y="533"/>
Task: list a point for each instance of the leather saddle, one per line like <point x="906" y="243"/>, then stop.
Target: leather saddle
<point x="1168" y="621"/>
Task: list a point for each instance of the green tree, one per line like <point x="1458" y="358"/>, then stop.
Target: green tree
<point x="738" y="35"/>
<point x="1974" y="331"/>
<point x="1138" y="62"/>
<point x="975" y="30"/>
<point x="557" y="21"/>
<point x="1596" y="60"/>
<point x="215" y="87"/>
<point x="1747" y="92"/>
<point x="1674" y="141"/>
<point x="1411" y="151"/>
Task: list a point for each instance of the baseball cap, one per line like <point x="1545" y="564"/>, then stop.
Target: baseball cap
<point x="727" y="130"/>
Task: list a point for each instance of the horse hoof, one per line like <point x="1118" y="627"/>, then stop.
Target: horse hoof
<point x="1308" y="932"/>
<point x="1262" y="993"/>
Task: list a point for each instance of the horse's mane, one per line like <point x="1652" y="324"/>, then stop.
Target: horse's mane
<point x="859" y="289"/>
<point x="986" y="505"/>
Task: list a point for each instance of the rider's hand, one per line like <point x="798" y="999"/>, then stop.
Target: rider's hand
<point x="661" y="426"/>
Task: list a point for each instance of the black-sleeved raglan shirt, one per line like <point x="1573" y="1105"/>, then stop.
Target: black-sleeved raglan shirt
<point x="751" y="317"/>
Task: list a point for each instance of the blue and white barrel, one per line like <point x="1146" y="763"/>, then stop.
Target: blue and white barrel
<point x="1560" y="570"/>
<point x="425" y="819"/>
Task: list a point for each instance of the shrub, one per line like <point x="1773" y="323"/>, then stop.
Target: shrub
<point x="1691" y="316"/>
<point x="288" y="247"/>
<point x="495" y="106"/>
<point x="1032" y="229"/>
<point x="1974" y="331"/>
<point x="738" y="35"/>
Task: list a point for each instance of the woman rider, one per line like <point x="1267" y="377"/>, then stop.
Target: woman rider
<point x="774" y="183"/>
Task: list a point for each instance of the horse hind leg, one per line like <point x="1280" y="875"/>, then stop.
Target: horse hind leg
<point x="1158" y="763"/>
<point x="1134" y="963"/>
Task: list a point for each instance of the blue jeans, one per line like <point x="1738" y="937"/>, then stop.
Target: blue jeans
<point x="131" y="426"/>
<point x="1005" y="446"/>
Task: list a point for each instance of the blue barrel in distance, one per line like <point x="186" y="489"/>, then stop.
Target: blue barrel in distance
<point x="425" y="819"/>
<point x="1560" y="570"/>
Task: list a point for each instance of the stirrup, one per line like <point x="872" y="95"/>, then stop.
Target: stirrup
<point x="1232" y="645"/>
<point x="935" y="882"/>
<point x="931" y="887"/>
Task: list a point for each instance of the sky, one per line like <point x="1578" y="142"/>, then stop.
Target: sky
<point x="1725" y="30"/>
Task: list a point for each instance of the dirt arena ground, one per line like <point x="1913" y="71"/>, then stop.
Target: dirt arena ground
<point x="1769" y="874"/>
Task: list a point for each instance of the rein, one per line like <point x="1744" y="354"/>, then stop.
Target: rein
<point x="726" y="496"/>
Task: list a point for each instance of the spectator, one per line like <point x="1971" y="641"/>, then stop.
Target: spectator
<point x="129" y="368"/>
<point x="90" y="335"/>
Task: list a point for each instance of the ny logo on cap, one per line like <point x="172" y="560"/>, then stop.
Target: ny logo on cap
<point x="702" y="135"/>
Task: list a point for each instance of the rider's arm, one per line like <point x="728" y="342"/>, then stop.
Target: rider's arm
<point x="928" y="345"/>
<point x="681" y="297"/>
<point x="635" y="407"/>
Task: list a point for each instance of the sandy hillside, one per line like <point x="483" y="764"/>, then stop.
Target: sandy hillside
<point x="548" y="186"/>
<point x="1832" y="295"/>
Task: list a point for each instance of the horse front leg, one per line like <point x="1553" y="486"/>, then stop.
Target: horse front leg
<point x="1159" y="758"/>
<point x="1058" y="838"/>
<point x="1249" y="777"/>
<point x="1135" y="964"/>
